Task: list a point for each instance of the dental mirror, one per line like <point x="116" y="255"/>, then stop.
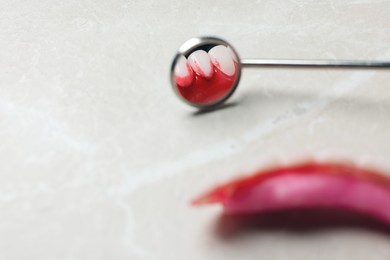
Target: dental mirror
<point x="206" y="70"/>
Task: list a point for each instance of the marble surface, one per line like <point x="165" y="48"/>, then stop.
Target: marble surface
<point x="99" y="158"/>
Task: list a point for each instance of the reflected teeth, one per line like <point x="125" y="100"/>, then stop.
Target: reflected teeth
<point x="232" y="54"/>
<point x="201" y="63"/>
<point x="222" y="59"/>
<point x="183" y="72"/>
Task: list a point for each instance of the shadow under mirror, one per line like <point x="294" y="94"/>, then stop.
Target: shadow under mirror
<point x="215" y="108"/>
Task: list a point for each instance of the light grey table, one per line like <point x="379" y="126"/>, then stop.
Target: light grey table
<point x="99" y="159"/>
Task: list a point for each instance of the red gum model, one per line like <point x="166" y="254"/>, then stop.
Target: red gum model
<point x="305" y="186"/>
<point x="206" y="91"/>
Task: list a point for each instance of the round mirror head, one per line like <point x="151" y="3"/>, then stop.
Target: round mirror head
<point x="205" y="72"/>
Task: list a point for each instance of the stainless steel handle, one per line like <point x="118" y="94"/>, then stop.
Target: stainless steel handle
<point x="336" y="64"/>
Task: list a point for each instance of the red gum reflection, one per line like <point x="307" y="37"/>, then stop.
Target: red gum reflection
<point x="305" y="186"/>
<point x="206" y="91"/>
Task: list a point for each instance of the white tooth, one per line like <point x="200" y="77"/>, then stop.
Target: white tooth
<point x="201" y="63"/>
<point x="183" y="72"/>
<point x="232" y="54"/>
<point x="221" y="58"/>
<point x="181" y="69"/>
